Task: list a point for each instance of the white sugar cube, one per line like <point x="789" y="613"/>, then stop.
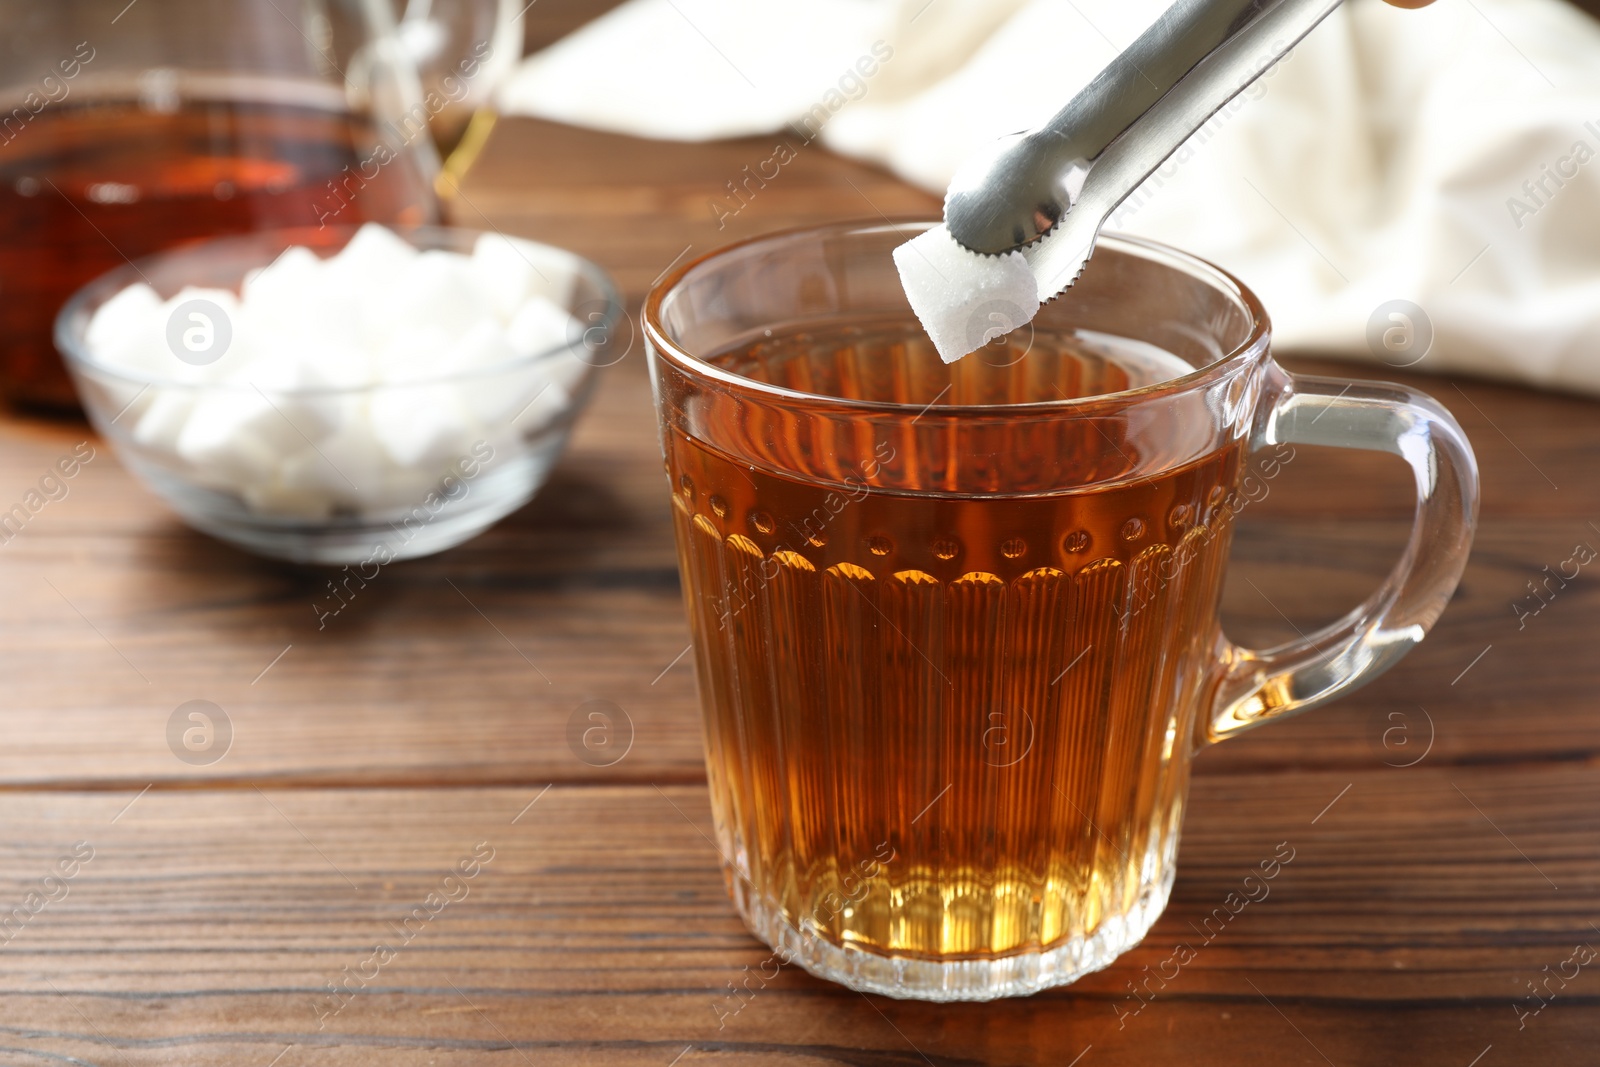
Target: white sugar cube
<point x="158" y="428"/>
<point x="200" y="336"/>
<point x="186" y="338"/>
<point x="415" y="355"/>
<point x="504" y="272"/>
<point x="515" y="397"/>
<point x="308" y="405"/>
<point x="338" y="362"/>
<point x="275" y="499"/>
<point x="441" y="291"/>
<point x="409" y="488"/>
<point x="539" y="325"/>
<point x="512" y="270"/>
<point x="311" y="473"/>
<point x="531" y="398"/>
<point x="483" y="346"/>
<point x="964" y="300"/>
<point x="346" y="467"/>
<point x="420" y="427"/>
<point x="366" y="272"/>
<point x="285" y="282"/>
<point x="250" y="429"/>
<point x="124" y="328"/>
<point x="566" y="368"/>
<point x="351" y="383"/>
<point x="223" y="437"/>
<point x="286" y="318"/>
<point x="375" y="256"/>
<point x="295" y="311"/>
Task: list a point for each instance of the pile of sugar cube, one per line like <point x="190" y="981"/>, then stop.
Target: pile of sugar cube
<point x="347" y="384"/>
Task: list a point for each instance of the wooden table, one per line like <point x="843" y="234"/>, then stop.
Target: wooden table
<point x="427" y="723"/>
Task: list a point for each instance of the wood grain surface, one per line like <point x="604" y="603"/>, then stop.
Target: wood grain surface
<point x="1438" y="870"/>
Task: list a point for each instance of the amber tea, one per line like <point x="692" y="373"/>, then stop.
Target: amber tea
<point x="964" y="676"/>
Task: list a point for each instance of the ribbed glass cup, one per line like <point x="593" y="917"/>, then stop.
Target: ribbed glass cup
<point x="956" y="627"/>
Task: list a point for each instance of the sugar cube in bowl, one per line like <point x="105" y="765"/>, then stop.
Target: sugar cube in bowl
<point x="343" y="396"/>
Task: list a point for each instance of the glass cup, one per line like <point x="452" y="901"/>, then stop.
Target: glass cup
<point x="956" y="628"/>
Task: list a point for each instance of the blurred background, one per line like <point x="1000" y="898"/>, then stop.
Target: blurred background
<point x="1410" y="187"/>
<point x="1433" y="162"/>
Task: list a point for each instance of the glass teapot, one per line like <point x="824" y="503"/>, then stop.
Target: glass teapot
<point x="128" y="127"/>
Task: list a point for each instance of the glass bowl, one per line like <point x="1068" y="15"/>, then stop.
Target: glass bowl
<point x="341" y="473"/>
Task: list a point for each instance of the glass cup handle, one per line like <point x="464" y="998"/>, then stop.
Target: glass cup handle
<point x="1260" y="685"/>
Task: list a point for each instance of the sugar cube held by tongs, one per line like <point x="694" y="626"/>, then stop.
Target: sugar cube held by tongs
<point x="1037" y="199"/>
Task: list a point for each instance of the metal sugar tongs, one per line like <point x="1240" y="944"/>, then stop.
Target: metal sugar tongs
<point x="1047" y="192"/>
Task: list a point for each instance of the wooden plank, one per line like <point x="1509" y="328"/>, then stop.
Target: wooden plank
<point x="118" y="614"/>
<point x="415" y="685"/>
<point x="206" y="927"/>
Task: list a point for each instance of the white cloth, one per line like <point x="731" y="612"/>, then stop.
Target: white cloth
<point x="1449" y="157"/>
